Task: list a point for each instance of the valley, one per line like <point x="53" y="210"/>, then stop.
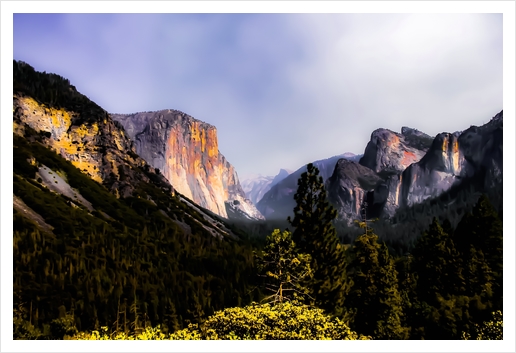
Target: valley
<point x="131" y="222"/>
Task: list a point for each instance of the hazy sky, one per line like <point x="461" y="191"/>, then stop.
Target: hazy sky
<point x="282" y="89"/>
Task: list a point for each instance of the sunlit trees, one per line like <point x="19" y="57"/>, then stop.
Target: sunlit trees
<point x="282" y="268"/>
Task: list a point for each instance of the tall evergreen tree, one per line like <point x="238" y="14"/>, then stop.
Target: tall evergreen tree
<point x="283" y="269"/>
<point x="441" y="309"/>
<point x="437" y="264"/>
<point x="374" y="299"/>
<point x="315" y="235"/>
<point x="481" y="231"/>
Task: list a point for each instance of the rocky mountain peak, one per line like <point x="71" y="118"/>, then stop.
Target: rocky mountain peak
<point x="283" y="173"/>
<point x="185" y="150"/>
<point x="391" y="152"/>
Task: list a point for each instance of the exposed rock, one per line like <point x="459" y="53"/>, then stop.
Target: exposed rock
<point x="185" y="150"/>
<point x="29" y="213"/>
<point x="374" y="178"/>
<point x="57" y="183"/>
<point x="390" y="152"/>
<point x="348" y="186"/>
<point x="99" y="148"/>
<point x="450" y="159"/>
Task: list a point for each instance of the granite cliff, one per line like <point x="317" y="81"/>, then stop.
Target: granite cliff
<point x="348" y="186"/>
<point x="185" y="150"/>
<point x="406" y="169"/>
<point x="389" y="152"/>
<point x="476" y="152"/>
<point x="97" y="146"/>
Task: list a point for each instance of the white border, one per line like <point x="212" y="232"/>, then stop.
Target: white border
<point x="509" y="94"/>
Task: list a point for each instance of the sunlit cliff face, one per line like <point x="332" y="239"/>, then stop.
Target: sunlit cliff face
<point x="98" y="148"/>
<point x="193" y="166"/>
<point x="388" y="150"/>
<point x="186" y="152"/>
<point x="72" y="142"/>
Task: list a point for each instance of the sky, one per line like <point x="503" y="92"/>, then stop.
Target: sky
<point x="282" y="89"/>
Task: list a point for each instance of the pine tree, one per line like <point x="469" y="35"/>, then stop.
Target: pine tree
<point x="315" y="235"/>
<point x="374" y="299"/>
<point x="437" y="264"/>
<point x="284" y="270"/>
<point x="482" y="231"/>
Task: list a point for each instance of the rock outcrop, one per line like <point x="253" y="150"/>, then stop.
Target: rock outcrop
<point x="391" y="153"/>
<point x="99" y="147"/>
<point x="348" y="186"/>
<point x="186" y="152"/>
<point x="386" y="156"/>
<point x="401" y="170"/>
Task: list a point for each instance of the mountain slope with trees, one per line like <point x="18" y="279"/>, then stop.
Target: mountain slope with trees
<point x="143" y="254"/>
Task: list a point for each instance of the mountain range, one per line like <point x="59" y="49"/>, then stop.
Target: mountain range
<point x="98" y="231"/>
<point x="399" y="170"/>
<point x="396" y="170"/>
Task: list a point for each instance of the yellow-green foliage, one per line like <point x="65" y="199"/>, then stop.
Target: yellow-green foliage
<point x="288" y="321"/>
<point x="283" y="268"/>
<point x="148" y="334"/>
<point x="258" y="322"/>
<point x="489" y="330"/>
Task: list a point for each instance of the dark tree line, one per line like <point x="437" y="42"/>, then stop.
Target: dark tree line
<point x="444" y="287"/>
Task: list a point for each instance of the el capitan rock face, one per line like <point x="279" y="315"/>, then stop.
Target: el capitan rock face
<point x="185" y="150"/>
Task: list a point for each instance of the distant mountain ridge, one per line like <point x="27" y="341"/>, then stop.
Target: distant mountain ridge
<point x="256" y="187"/>
<point x="278" y="202"/>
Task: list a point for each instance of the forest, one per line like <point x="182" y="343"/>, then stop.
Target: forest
<point x="128" y="270"/>
<point x="156" y="282"/>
